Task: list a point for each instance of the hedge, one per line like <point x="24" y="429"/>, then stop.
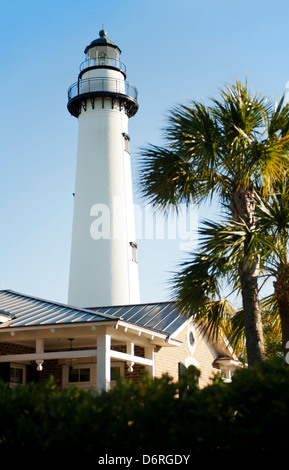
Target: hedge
<point x="157" y="415"/>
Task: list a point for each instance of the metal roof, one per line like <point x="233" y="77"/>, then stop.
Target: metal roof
<point x="28" y="311"/>
<point x="163" y="317"/>
<point x="25" y="310"/>
<point x="102" y="41"/>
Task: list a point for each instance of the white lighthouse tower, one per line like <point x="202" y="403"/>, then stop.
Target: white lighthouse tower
<point x="103" y="265"/>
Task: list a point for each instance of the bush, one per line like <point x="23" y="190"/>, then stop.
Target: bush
<point x="155" y="416"/>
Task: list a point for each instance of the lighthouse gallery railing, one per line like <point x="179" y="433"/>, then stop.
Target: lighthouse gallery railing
<point x="98" y="85"/>
<point x="100" y="62"/>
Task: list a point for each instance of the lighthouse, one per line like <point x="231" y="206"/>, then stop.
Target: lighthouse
<point x="103" y="263"/>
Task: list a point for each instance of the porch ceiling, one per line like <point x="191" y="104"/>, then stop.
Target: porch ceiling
<point x="84" y="336"/>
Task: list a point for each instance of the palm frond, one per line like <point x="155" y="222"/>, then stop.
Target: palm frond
<point x="215" y="318"/>
<point x="270" y="310"/>
<point x="278" y="123"/>
<point x="166" y="177"/>
<point x="211" y="148"/>
<point x="229" y="240"/>
<point x="273" y="225"/>
<point x="197" y="290"/>
<point x="236" y="332"/>
<point x="241" y="114"/>
<point x="194" y="130"/>
<point x="269" y="161"/>
<point x="197" y="281"/>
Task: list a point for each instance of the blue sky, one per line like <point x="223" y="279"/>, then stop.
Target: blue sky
<point x="173" y="51"/>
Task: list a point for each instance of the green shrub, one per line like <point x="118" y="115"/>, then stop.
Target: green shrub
<point x="155" y="416"/>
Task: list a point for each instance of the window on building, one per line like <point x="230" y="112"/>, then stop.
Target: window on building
<point x="114" y="373"/>
<point x="185" y="368"/>
<point x="77" y="375"/>
<point x="126" y="142"/>
<point x="83" y="375"/>
<point x="116" y="370"/>
<point x="181" y="370"/>
<point x="191" y="339"/>
<point x="17" y="374"/>
<point x="134" y="251"/>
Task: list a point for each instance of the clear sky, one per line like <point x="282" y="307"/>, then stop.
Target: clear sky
<point x="173" y="50"/>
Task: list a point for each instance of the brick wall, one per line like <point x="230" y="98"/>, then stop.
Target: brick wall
<point x="138" y="369"/>
<point x="8" y="348"/>
<point x="32" y="374"/>
<point x="167" y="358"/>
<point x="51" y="367"/>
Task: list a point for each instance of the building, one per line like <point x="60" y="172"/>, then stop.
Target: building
<point x="87" y="347"/>
<point x="103" y="264"/>
<point x="103" y="329"/>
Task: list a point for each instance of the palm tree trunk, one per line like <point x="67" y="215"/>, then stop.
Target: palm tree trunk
<point x="243" y="209"/>
<point x="252" y="317"/>
<point x="284" y="315"/>
<point x="281" y="288"/>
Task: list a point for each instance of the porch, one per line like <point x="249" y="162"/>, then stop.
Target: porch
<point x="89" y="356"/>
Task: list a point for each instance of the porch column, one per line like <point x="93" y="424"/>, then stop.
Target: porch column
<point x="150" y="354"/>
<point x="39" y="345"/>
<point x="130" y="350"/>
<point x="103" y="362"/>
<point x="39" y="350"/>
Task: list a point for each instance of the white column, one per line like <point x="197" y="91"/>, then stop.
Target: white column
<point x="39" y="350"/>
<point x="130" y="350"/>
<point x="39" y="345"/>
<point x="150" y="354"/>
<point x="103" y="362"/>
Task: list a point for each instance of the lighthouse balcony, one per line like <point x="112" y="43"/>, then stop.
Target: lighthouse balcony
<point x="102" y="62"/>
<point x="92" y="88"/>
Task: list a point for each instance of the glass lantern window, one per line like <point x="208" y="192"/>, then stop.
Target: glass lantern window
<point x="109" y="51"/>
<point x="102" y="59"/>
<point x="91" y="53"/>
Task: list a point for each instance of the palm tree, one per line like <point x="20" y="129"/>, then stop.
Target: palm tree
<point x="273" y="228"/>
<point x="208" y="285"/>
<point x="200" y="284"/>
<point x="228" y="149"/>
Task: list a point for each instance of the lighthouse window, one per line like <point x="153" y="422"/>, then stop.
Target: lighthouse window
<point x="102" y="58"/>
<point x="134" y="251"/>
<point x="126" y="142"/>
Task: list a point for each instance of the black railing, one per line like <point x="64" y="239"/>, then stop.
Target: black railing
<point x="102" y="85"/>
<point x="102" y="62"/>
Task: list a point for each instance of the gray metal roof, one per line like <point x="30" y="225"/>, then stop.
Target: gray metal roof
<point x="25" y="310"/>
<point x="163" y="317"/>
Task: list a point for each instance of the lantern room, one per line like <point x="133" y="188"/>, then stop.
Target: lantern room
<point x="102" y="52"/>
